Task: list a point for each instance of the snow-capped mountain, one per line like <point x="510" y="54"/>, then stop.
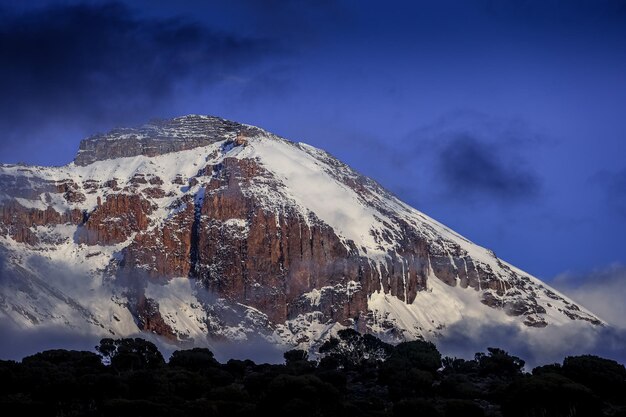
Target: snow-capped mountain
<point x="198" y="227"/>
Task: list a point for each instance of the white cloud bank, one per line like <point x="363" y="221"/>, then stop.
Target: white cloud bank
<point x="602" y="291"/>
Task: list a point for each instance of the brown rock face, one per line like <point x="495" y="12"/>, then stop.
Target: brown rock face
<point x="70" y="191"/>
<point x="274" y="260"/>
<point x="114" y="220"/>
<point x="149" y="319"/>
<point x="165" y="251"/>
<point x="154" y="192"/>
<point x="157" y="138"/>
<point x="277" y="261"/>
<point x="267" y="259"/>
<point x="19" y="220"/>
<point x="243" y="252"/>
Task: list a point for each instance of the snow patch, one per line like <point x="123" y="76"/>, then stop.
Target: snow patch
<point x="309" y="183"/>
<point x="180" y="308"/>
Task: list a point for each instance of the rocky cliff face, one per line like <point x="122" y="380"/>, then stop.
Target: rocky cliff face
<point x="200" y="227"/>
<point x="157" y="138"/>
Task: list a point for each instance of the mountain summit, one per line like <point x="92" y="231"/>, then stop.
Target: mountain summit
<point x="199" y="228"/>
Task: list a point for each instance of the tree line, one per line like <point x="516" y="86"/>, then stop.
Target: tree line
<point x="355" y="375"/>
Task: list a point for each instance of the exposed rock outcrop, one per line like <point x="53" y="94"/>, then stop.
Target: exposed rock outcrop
<point x="157" y="138"/>
<point x="115" y="220"/>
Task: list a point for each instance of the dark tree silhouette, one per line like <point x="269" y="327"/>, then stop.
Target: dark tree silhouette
<point x="549" y="394"/>
<point x="357" y="375"/>
<point x="498" y="362"/>
<point x="193" y="359"/>
<point x="295" y="355"/>
<point x="350" y="348"/>
<point x="130" y="354"/>
<point x="605" y="377"/>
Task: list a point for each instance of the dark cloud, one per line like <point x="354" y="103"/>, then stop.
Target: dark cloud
<point x="104" y="65"/>
<point x="470" y="167"/>
<point x="465" y="155"/>
<point x="462" y="157"/>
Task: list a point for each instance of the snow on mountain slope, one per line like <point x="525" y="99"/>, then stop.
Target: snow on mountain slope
<point x="360" y="217"/>
<point x="237" y="232"/>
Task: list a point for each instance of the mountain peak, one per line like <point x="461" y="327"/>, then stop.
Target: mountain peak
<point x="159" y="137"/>
<point x="219" y="229"/>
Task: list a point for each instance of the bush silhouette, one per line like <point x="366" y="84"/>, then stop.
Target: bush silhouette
<point x="498" y="362"/>
<point x="193" y="359"/>
<point x="549" y="394"/>
<point x="130" y="354"/>
<point x="605" y="377"/>
<point x="350" y="349"/>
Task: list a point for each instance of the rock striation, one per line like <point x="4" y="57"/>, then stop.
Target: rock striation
<point x="157" y="138"/>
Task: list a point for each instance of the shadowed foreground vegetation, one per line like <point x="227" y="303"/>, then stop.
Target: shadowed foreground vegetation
<point x="357" y="375"/>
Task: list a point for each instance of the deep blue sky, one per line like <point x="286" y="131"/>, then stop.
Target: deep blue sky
<point x="503" y="119"/>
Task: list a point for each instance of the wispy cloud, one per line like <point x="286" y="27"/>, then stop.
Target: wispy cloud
<point x="537" y="346"/>
<point x="603" y="291"/>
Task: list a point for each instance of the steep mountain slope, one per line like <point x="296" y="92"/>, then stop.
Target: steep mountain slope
<point x="199" y="227"/>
